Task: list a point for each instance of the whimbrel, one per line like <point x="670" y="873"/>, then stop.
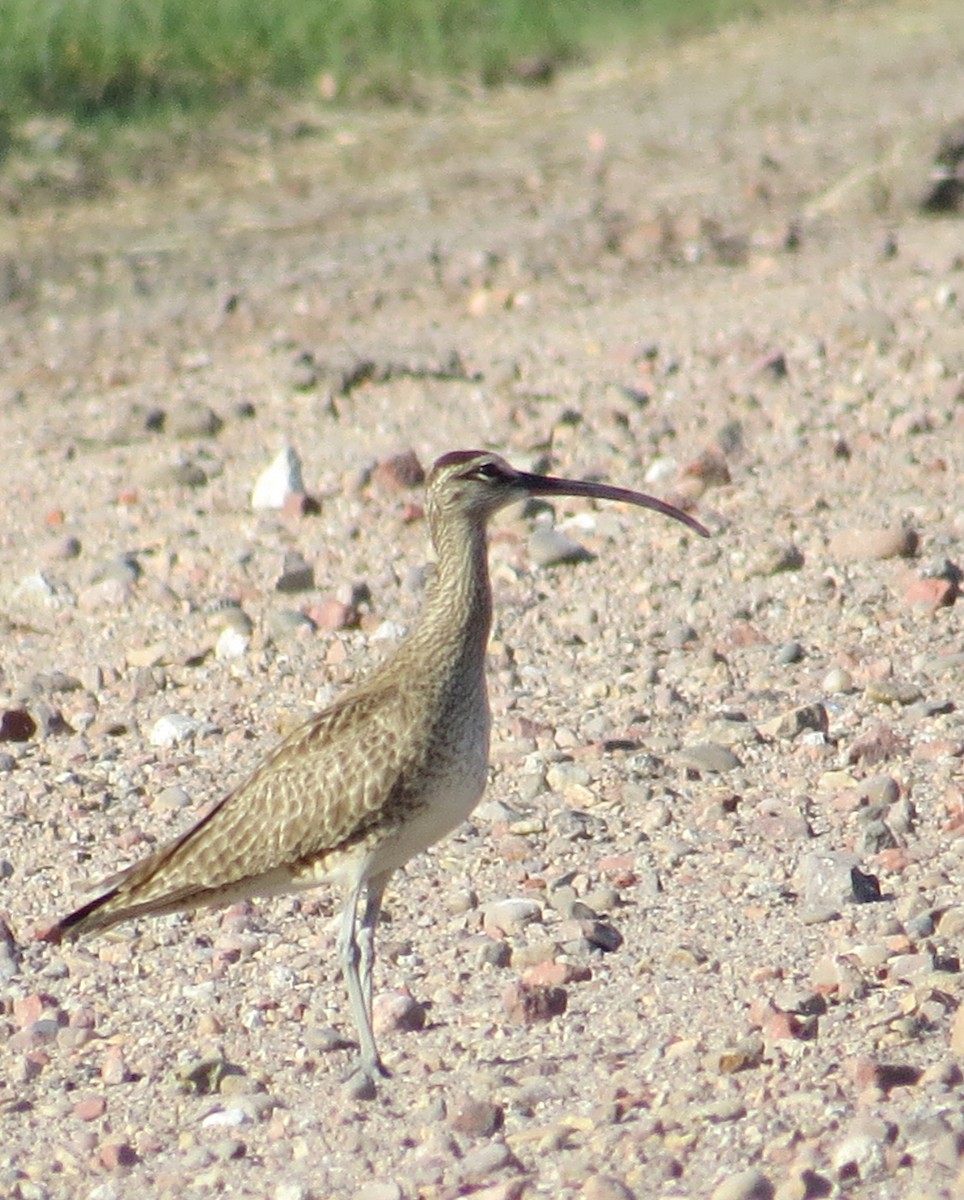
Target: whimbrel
<point x="395" y="764"/>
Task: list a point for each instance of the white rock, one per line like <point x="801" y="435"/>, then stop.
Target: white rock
<point x="278" y="481"/>
<point x="173" y="728"/>
<point x="511" y="915"/>
<point x="230" y="1117"/>
<point x="231" y="643"/>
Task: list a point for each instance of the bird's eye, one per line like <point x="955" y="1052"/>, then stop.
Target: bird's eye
<point x="486" y="471"/>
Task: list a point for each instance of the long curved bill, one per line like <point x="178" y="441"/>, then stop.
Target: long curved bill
<point x="549" y="485"/>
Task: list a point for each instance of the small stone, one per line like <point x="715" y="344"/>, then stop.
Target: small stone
<point x="333" y="614"/>
<point x="503" y="918"/>
<point x="929" y="595"/>
<point x="891" y="691"/>
<point x="606" y="1187"/>
<point x="180" y="474"/>
<point x="876" y="745"/>
<point x="399" y="472"/>
<point x="16" y="725"/>
<point x="747" y="1185"/>
<point x="278" y="481"/>
<point x="830" y="879"/>
<point x="474" y="1117"/>
<point x="90" y="1108"/>
<point x="781" y="559"/>
<point x="488" y="1159"/>
<point x="63" y="549"/>
<point x="865" y="545"/>
<point x="789" y="652"/>
<point x="525" y="1004"/>
<point x="397" y="1011"/>
<point x="231" y="644"/>
<point x="838" y="681"/>
<point x="173" y="729"/>
<point x="376" y="1190"/>
<point x="115" y="1155"/>
<point x="798" y="720"/>
<point x="297" y="575"/>
<point x="709" y="757"/>
<point x="549" y="547"/>
<point x="109" y="593"/>
<point x="288" y="622"/>
<point x="193" y="421"/>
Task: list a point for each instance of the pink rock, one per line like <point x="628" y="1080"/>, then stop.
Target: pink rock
<point x="90" y="1108"/>
<point x="113" y="1069"/>
<point x="298" y="505"/>
<point x="555" y="974"/>
<point x="399" y="471"/>
<point x="477" y="1118"/>
<point x="333" y="614"/>
<point x="525" y="1004"/>
<point x="863" y="545"/>
<point x="880" y="743"/>
<point x="397" y="1011"/>
<point x="115" y="1155"/>
<point x="930" y="594"/>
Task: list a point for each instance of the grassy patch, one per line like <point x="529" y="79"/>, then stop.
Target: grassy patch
<point x="87" y="58"/>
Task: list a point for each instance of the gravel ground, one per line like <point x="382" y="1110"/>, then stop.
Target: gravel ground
<point x="703" y="935"/>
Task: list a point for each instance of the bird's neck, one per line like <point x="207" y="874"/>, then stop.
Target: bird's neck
<point x="458" y="611"/>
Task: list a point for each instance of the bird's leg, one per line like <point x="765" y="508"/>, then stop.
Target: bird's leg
<point x="366" y="933"/>
<point x="350" y="953"/>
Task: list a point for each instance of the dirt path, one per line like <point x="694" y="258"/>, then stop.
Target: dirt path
<point x="706" y="270"/>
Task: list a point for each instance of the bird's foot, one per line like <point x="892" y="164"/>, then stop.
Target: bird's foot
<point x="361" y="1083"/>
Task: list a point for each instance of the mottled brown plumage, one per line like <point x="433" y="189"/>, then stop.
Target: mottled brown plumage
<point x="384" y="772"/>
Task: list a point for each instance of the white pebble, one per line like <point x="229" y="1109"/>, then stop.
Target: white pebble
<point x="231" y="643"/>
<point x="278" y="481"/>
<point x="173" y="728"/>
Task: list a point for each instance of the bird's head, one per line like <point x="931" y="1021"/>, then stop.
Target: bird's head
<point x="476" y="484"/>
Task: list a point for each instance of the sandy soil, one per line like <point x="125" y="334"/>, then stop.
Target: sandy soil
<point x="703" y="272"/>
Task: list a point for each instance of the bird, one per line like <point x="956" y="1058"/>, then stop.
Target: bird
<point x="389" y="768"/>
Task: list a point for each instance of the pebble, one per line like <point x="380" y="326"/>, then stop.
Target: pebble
<point x="780" y="559"/>
<point x="550" y="547"/>
<point x="63" y="549"/>
<point x="789" y="652"/>
<point x="502" y="918"/>
<point x="707" y="756"/>
<point x="285" y="622"/>
<point x="838" y="681"/>
<point x="829" y="880"/>
<point x="397" y="1010"/>
<point x="193" y="421"/>
<point x="179" y="474"/>
<point x="399" y="472"/>
<point x="231" y="644"/>
<point x="606" y="1187"/>
<point x="866" y="545"/>
<point x="297" y="575"/>
<point x="890" y="691"/>
<point x="278" y="481"/>
<point x="173" y="729"/>
<point x="16" y="725"/>
<point x="377" y="1190"/>
<point x="482" y="1161"/>
<point x="751" y="1184"/>
<point x="791" y="724"/>
<point x="928" y="595"/>
<point x="525" y="1004"/>
<point x="475" y="1117"/>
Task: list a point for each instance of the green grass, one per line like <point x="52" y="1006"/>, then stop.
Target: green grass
<point x="90" y="58"/>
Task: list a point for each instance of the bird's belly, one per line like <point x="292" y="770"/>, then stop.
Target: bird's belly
<point x="446" y="802"/>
